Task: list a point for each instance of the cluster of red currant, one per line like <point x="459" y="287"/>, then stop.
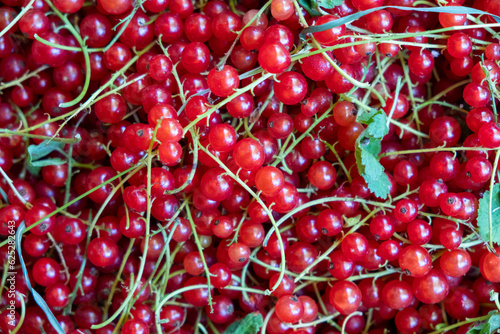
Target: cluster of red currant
<point x="281" y="166"/>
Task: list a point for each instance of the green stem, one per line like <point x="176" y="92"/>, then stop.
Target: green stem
<point x="17" y="18"/>
<point x="77" y="198"/>
<point x="437" y="149"/>
<point x="264" y="206"/>
<point x="85" y="52"/>
<point x="149" y="162"/>
<point x="301" y="137"/>
<point x="461" y="323"/>
<point x="337" y="242"/>
<point x="219" y="105"/>
<point x="16" y="192"/>
<point x="92" y="99"/>
<point x="26" y="76"/>
<point x="202" y="256"/>
<point x="117" y="279"/>
<point x="124" y="24"/>
<point x="322" y="201"/>
<point x="9" y="133"/>
<point x="406" y="127"/>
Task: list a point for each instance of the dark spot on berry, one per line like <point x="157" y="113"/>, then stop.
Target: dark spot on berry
<point x="376" y="236"/>
<point x="241" y="259"/>
<point x="324" y="231"/>
<point x="67" y="229"/>
<point x="294" y="298"/>
<point x="44" y="226"/>
<point x="141" y="22"/>
<point x="230" y="308"/>
<point x="271" y="124"/>
<point x="216" y="222"/>
<point x="451" y="200"/>
<point x="140" y="133"/>
<point x="468" y="174"/>
<point x="331" y="265"/>
<point x="198" y="214"/>
<point x="407" y="272"/>
<point x="22" y="192"/>
<point x="403" y="210"/>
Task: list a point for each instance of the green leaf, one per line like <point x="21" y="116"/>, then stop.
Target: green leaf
<point x="310" y="7"/>
<point x="476" y="329"/>
<point x="329" y="4"/>
<point x="494" y="322"/>
<point x="35" y="171"/>
<point x="37" y="152"/>
<point x="370" y="144"/>
<point x="376" y="121"/>
<point x="367" y="150"/>
<point x="483" y="218"/>
<point x="48" y="162"/>
<point x="373" y="168"/>
<point x="248" y="325"/>
<point x="487" y="327"/>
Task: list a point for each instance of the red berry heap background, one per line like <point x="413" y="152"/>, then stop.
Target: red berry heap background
<point x="252" y="166"/>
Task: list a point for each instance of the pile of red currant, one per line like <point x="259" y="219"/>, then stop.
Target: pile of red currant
<point x="249" y="166"/>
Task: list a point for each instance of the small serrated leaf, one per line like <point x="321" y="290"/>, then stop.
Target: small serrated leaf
<point x="378" y="128"/>
<point x="492" y="325"/>
<point x="494" y="322"/>
<point x="250" y="324"/>
<point x="476" y="329"/>
<point x="373" y="168"/>
<point x="483" y="218"/>
<point x="329" y="4"/>
<point x="377" y="123"/>
<point x="368" y="147"/>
